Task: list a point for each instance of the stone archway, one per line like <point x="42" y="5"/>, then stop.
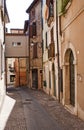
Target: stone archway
<point x="69" y="78"/>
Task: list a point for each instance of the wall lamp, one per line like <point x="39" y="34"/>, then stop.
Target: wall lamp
<point x="38" y="44"/>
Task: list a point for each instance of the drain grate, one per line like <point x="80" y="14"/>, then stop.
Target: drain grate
<point x="27" y="101"/>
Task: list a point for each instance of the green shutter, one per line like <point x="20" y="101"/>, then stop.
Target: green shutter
<point x="62" y="6"/>
<point x="59" y="6"/>
<point x="65" y="2"/>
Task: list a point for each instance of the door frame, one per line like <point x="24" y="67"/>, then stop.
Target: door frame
<point x="66" y="79"/>
<point x="35" y="71"/>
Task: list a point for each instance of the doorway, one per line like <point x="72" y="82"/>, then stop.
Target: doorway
<point x="35" y="78"/>
<point x="69" y="78"/>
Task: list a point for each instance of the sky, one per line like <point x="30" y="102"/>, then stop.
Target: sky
<point x="17" y="12"/>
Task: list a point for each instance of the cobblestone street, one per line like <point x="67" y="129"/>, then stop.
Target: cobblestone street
<point x="35" y="110"/>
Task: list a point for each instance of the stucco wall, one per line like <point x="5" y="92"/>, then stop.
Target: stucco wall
<point x="73" y="33"/>
<point x="16" y="51"/>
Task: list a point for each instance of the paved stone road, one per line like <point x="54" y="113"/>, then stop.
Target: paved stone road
<point x="35" y="110"/>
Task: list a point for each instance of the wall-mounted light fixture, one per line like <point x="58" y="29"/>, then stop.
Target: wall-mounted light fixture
<point x="38" y="44"/>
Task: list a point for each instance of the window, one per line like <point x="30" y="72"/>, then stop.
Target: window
<point x="16" y="44"/>
<point x="12" y="78"/>
<point x="32" y="14"/>
<point x="30" y="31"/>
<point x="51" y="9"/>
<point x="34" y="29"/>
<point x="50" y="6"/>
<point x="46" y="40"/>
<point x="35" y="50"/>
<point x="52" y="36"/>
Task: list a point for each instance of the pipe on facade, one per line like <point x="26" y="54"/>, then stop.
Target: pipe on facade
<point x="58" y="58"/>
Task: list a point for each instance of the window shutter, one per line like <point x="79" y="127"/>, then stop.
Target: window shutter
<point x="46" y="40"/>
<point x="34" y="29"/>
<point x="30" y="31"/>
<point x="35" y="50"/>
<point x="52" y="36"/>
<point x="47" y="2"/>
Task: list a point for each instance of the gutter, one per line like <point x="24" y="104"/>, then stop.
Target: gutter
<point x="58" y="58"/>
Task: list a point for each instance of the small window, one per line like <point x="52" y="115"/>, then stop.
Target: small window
<point x="12" y="78"/>
<point x="35" y="51"/>
<point x="14" y="44"/>
<point x="34" y="29"/>
<point x="46" y="37"/>
<point x="52" y="36"/>
<point x="18" y="43"/>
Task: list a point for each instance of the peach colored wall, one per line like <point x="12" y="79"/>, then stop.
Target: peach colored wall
<point x="16" y="51"/>
<point x="73" y="31"/>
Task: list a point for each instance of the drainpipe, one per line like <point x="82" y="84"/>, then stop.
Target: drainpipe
<point x="42" y="39"/>
<point x="58" y="58"/>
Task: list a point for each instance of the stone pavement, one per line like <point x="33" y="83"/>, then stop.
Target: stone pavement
<point x="18" y="119"/>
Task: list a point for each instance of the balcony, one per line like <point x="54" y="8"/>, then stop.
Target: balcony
<point x="51" y="14"/>
<point x="51" y="51"/>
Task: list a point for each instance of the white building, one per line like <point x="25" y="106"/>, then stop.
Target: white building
<point x="3" y="19"/>
<point x="50" y="63"/>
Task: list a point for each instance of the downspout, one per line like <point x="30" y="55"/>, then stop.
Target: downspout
<point x="42" y="39"/>
<point x="58" y="58"/>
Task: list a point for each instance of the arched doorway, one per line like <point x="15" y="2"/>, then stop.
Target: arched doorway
<point x="69" y="78"/>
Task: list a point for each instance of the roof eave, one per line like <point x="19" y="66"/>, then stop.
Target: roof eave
<point x="31" y="6"/>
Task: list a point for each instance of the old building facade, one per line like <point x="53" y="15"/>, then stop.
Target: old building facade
<point x="17" y="51"/>
<point x="3" y="20"/>
<point x="35" y="44"/>
<point x="50" y="53"/>
<point x="63" y="52"/>
<point x="71" y="17"/>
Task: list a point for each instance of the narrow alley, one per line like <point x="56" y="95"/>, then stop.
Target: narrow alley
<point x="41" y="65"/>
<point x="35" y="110"/>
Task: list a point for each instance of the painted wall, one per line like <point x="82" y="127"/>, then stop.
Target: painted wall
<point x="19" y="50"/>
<point x="73" y="37"/>
<point x="47" y="63"/>
<point x="2" y="63"/>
